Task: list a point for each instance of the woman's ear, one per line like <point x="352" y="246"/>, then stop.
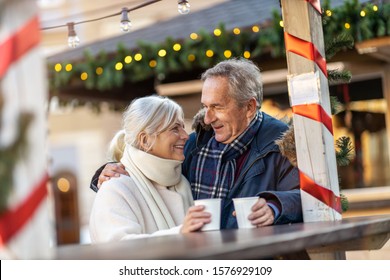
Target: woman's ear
<point x="144" y="141"/>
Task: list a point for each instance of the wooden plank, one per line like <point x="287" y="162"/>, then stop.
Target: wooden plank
<point x="308" y="85"/>
<point x="259" y="243"/>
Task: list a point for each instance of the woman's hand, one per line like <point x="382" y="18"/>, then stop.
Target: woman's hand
<point x="195" y="219"/>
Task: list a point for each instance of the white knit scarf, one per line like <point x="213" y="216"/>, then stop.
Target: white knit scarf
<point x="144" y="169"/>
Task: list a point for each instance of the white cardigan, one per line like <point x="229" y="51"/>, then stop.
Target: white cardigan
<point x="121" y="211"/>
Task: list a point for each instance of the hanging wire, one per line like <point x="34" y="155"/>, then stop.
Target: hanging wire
<point x="104" y="17"/>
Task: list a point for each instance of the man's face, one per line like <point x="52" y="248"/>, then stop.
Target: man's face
<point x="222" y="112"/>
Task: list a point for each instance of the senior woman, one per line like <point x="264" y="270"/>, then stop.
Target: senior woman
<point x="155" y="199"/>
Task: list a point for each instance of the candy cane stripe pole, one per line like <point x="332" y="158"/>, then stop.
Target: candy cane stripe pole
<point x="309" y="99"/>
<point x="25" y="229"/>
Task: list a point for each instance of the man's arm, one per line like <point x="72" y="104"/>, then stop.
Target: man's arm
<point x="105" y="172"/>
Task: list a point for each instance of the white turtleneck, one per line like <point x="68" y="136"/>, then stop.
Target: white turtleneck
<point x="153" y="200"/>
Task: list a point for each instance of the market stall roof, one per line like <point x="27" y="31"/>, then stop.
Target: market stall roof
<point x="234" y="13"/>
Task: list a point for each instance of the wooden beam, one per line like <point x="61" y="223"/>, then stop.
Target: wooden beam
<point x="309" y="98"/>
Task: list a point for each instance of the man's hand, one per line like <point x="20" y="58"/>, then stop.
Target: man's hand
<point x="262" y="215"/>
<point x="111" y="170"/>
<point x="195" y="219"/>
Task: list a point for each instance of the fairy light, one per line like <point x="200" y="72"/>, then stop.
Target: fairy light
<point x="138" y="57"/>
<point x="209" y="53"/>
<point x="176" y="47"/>
<point x="347" y="25"/>
<point x="194" y="36"/>
<point x="236" y="31"/>
<point x="84" y="76"/>
<point x="162" y="53"/>
<point x="375" y="8"/>
<point x="183" y="7"/>
<point x="99" y="71"/>
<point x="58" y="67"/>
<point x="328" y="13"/>
<point x="152" y="63"/>
<point x="217" y="32"/>
<point x="73" y="39"/>
<point x="247" y="54"/>
<point x="128" y="59"/>
<point x="281" y="23"/>
<point x="119" y="66"/>
<point x="227" y="53"/>
<point x="125" y="23"/>
<point x="255" y="28"/>
<point x="191" y="57"/>
<point x="68" y="67"/>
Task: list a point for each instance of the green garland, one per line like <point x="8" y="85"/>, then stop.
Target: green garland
<point x="352" y="19"/>
<point x="10" y="155"/>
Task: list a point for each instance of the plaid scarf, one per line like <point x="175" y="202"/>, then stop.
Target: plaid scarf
<point x="216" y="163"/>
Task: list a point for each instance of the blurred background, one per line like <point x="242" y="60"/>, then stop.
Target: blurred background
<point x="165" y="52"/>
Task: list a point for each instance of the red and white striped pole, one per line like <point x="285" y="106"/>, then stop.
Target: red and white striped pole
<point x="25" y="229"/>
<point x="309" y="99"/>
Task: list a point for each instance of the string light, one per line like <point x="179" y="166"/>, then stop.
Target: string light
<point x="255" y="28"/>
<point x="194" y="36"/>
<point x="73" y="40"/>
<point x="183" y="7"/>
<point x="125" y="22"/>
<point x="236" y="31"/>
<point x="217" y="32"/>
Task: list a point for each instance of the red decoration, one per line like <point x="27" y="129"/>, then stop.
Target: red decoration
<point x="305" y="49"/>
<point x="12" y="221"/>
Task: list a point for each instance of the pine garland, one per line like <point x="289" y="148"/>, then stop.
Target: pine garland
<point x="10" y="155"/>
<point x="342" y="27"/>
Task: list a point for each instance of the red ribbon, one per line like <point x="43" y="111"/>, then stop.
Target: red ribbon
<point x="322" y="194"/>
<point x="316" y="4"/>
<point x="11" y="222"/>
<point x="305" y="49"/>
<point x="314" y="112"/>
<point x="18" y="44"/>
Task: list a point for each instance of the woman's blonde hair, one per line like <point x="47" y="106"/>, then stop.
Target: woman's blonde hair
<point x="117" y="146"/>
<point x="152" y="115"/>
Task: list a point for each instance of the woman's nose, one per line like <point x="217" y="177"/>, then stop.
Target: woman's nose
<point x="184" y="134"/>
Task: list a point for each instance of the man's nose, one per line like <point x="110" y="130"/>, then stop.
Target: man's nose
<point x="209" y="116"/>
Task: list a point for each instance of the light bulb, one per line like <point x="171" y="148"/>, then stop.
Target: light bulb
<point x="125" y="22"/>
<point x="73" y="40"/>
<point x="125" y="26"/>
<point x="183" y="7"/>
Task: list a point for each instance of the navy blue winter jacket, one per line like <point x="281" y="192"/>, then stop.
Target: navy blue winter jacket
<point x="265" y="173"/>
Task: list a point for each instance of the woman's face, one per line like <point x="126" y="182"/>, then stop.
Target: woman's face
<point x="170" y="143"/>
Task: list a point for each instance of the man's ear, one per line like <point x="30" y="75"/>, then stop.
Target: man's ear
<point x="252" y="107"/>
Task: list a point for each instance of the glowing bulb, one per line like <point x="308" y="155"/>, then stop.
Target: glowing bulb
<point x="183" y="7"/>
<point x="73" y="40"/>
<point x="125" y="22"/>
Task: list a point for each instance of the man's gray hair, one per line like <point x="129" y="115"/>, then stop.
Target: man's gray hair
<point x="244" y="79"/>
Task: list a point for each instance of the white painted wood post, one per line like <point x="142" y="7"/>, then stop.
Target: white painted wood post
<point x="309" y="98"/>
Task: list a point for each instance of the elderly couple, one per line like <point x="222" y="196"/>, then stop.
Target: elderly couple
<point x="231" y="154"/>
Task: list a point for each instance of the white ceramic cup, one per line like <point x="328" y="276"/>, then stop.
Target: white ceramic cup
<point x="213" y="206"/>
<point x="243" y="207"/>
